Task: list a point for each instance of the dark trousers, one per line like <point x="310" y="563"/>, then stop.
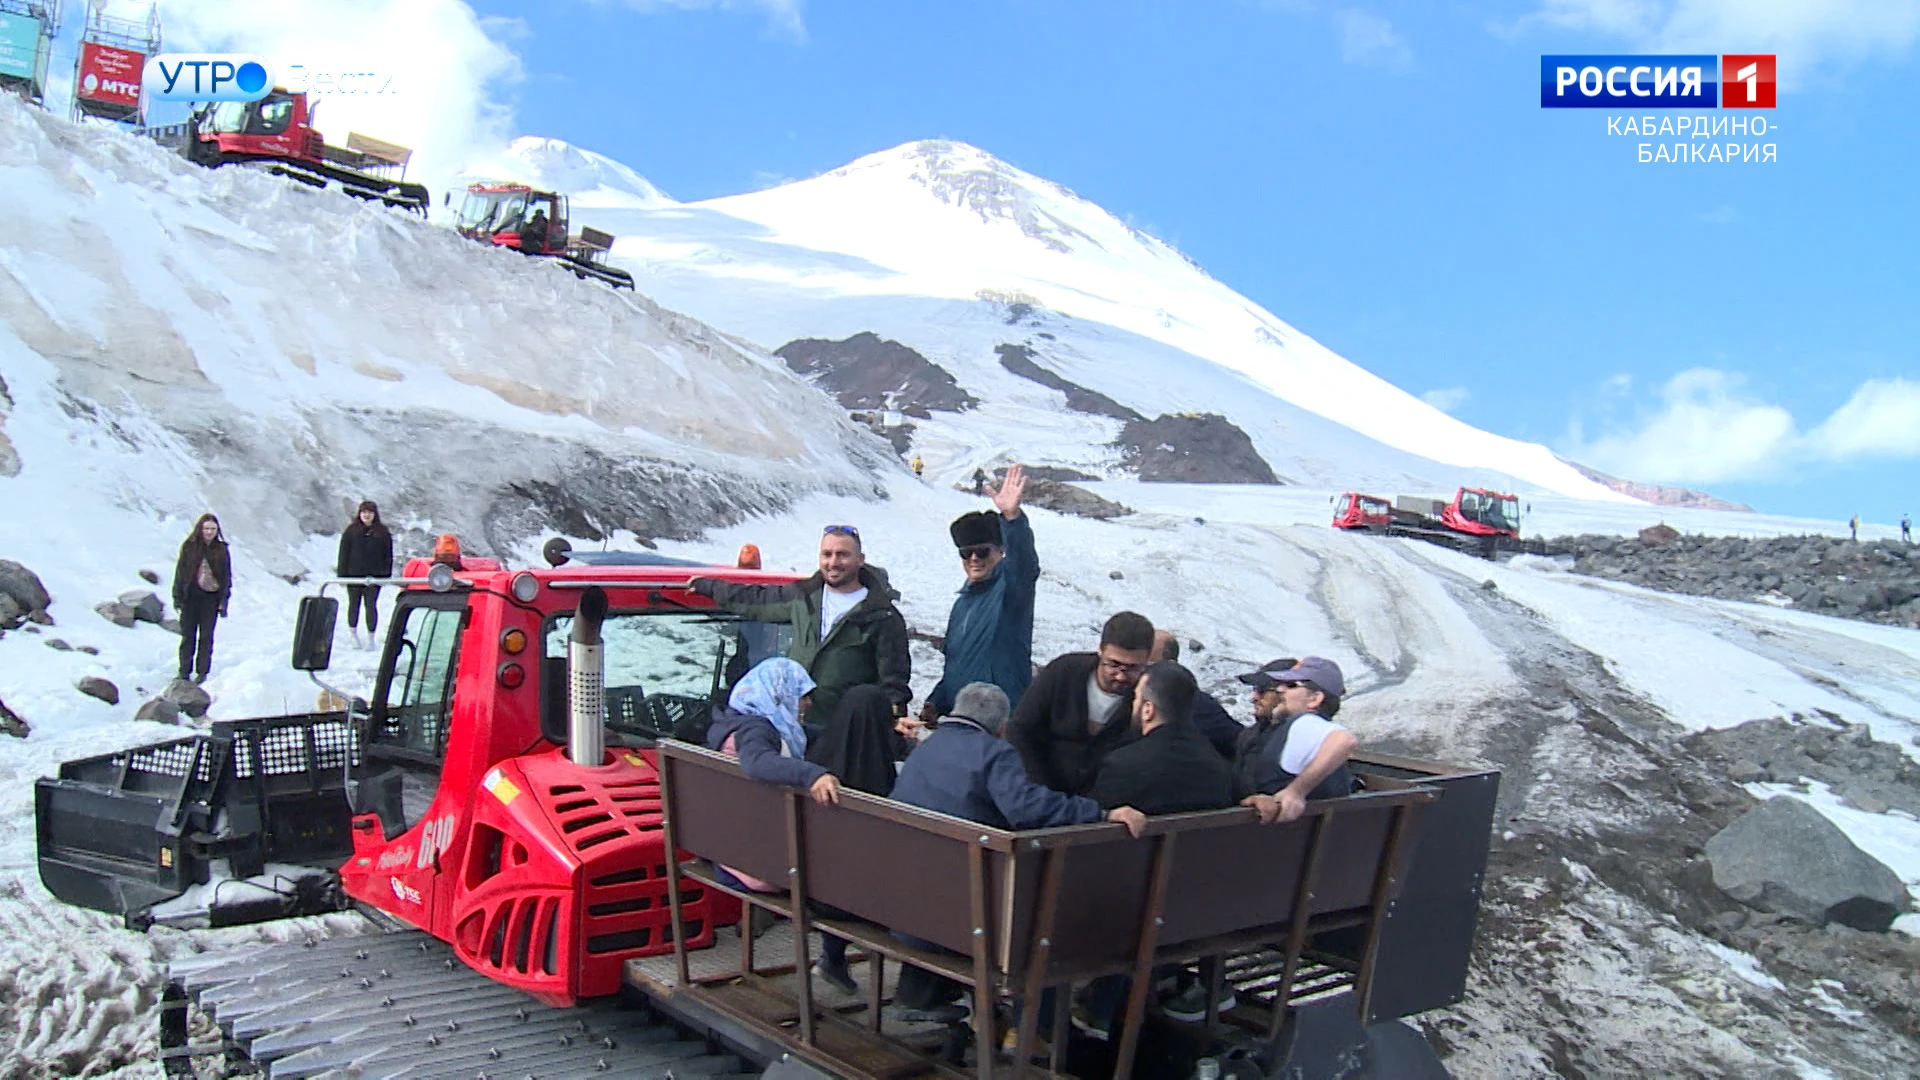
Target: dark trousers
<point x="857" y="743"/>
<point x="368" y="595"/>
<point x="197" y="617"/>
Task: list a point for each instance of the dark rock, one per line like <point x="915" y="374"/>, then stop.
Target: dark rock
<point x="12" y="724"/>
<point x="58" y="645"/>
<point x="1019" y="360"/>
<point x="146" y="605"/>
<point x="149" y="577"/>
<point x="1867" y="804"/>
<point x="40" y="617"/>
<point x="1747" y="772"/>
<point x="1192" y="449"/>
<point x="88" y="649"/>
<point x="96" y="687"/>
<point x="188" y="698"/>
<point x="1116" y="575"/>
<point x="159" y="710"/>
<point x="1783" y="856"/>
<point x="115" y="612"/>
<point x="23" y="585"/>
<point x="11" y="613"/>
<point x="1659" y="535"/>
<point x="866" y="371"/>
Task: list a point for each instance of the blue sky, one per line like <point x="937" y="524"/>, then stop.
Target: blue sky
<point x="1380" y="175"/>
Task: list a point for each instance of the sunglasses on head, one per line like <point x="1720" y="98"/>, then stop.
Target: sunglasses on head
<point x="841" y="530"/>
<point x="976" y="551"/>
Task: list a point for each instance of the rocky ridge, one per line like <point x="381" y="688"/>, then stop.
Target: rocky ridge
<point x="1877" y="581"/>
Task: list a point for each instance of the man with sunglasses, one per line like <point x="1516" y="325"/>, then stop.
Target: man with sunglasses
<point x="990" y="630"/>
<point x="852" y="640"/>
<point x="1080" y="707"/>
<point x="1294" y="751"/>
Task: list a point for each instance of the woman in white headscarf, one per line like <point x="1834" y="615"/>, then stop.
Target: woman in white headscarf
<point x="761" y="726"/>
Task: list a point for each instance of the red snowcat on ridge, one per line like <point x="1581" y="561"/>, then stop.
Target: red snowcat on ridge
<point x="276" y="133"/>
<point x="534" y="222"/>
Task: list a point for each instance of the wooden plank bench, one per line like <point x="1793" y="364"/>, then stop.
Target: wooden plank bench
<point x="1023" y="911"/>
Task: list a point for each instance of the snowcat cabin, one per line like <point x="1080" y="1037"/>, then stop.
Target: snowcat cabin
<point x="502" y="213"/>
<point x="1483" y="513"/>
<point x="1353" y="510"/>
<point x="277" y="126"/>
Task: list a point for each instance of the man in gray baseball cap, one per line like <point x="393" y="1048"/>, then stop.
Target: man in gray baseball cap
<point x="1295" y="751"/>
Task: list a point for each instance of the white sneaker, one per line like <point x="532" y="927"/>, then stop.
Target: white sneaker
<point x="356" y="638"/>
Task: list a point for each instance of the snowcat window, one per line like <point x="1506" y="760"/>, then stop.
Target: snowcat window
<point x="1373" y="506"/>
<point x="273" y="117"/>
<point x="474" y="210"/>
<point x="413" y="713"/>
<point x="229" y="117"/>
<point x="665" y="669"/>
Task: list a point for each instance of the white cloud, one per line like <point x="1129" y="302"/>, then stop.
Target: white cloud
<point x="1370" y="40"/>
<point x="1805" y="34"/>
<point x="784" y="16"/>
<point x="1707" y="429"/>
<point x="451" y="69"/>
<point x="1447" y="399"/>
<point x="1881" y="419"/>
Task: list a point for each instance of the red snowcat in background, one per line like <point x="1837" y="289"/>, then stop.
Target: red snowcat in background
<point x="1476" y="520"/>
<point x="536" y="223"/>
<point x="277" y="134"/>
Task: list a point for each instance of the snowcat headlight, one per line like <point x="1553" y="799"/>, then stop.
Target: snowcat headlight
<point x="525" y="587"/>
<point x="514" y="641"/>
<point x="440" y="578"/>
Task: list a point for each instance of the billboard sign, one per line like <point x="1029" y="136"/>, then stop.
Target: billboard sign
<point x="21" y="55"/>
<point x="108" y="75"/>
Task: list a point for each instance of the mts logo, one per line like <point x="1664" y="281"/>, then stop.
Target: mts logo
<point x="1746" y="81"/>
<point x="206" y="77"/>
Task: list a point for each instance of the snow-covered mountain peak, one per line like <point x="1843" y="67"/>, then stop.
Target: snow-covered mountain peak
<point x="590" y="179"/>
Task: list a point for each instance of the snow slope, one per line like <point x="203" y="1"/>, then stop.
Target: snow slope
<point x="951" y="251"/>
<point x="593" y="180"/>
<point x="173" y="340"/>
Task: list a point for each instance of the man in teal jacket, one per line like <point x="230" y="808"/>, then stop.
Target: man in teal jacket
<point x="990" y="630"/>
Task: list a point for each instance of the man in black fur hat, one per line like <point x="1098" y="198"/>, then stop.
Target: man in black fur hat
<point x="990" y="631"/>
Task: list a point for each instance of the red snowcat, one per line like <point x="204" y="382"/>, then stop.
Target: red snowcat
<point x="276" y="133"/>
<point x="525" y="811"/>
<point x="1476" y="520"/>
<point x="535" y="223"/>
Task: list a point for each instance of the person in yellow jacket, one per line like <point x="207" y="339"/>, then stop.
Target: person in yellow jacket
<point x="919" y="466"/>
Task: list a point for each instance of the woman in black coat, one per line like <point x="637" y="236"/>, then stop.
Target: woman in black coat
<point x="202" y="583"/>
<point x="366" y="551"/>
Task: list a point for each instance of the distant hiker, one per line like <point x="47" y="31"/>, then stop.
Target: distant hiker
<point x="1294" y="751"/>
<point x="1080" y="707"/>
<point x="990" y="630"/>
<point x="852" y="640"/>
<point x="1855" y="526"/>
<point x="533" y="235"/>
<point x="919" y="466"/>
<point x="979" y="482"/>
<point x="202" y="582"/>
<point x="1906" y="529"/>
<point x="1209" y="716"/>
<point x="366" y="551"/>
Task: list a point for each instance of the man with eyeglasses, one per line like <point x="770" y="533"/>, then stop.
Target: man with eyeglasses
<point x="851" y="638"/>
<point x="1080" y="707"/>
<point x="990" y="630"/>
<point x="1294" y="751"/>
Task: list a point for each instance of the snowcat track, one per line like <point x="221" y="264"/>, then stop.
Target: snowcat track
<point x="608" y="275"/>
<point x="412" y="198"/>
<point x="399" y="1004"/>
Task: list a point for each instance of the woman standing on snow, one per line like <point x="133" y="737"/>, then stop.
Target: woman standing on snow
<point x="366" y="551"/>
<point x="202" y="582"/>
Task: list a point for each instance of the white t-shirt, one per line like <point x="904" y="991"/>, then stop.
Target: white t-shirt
<point x="835" y="604"/>
<point x="1099" y="703"/>
<point x="1303" y="741"/>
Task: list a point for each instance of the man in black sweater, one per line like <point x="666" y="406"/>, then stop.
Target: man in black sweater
<point x="1171" y="768"/>
<point x="1079" y="708"/>
<point x="1212" y="718"/>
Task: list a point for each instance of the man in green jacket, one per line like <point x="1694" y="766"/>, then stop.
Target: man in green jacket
<point x="852" y="640"/>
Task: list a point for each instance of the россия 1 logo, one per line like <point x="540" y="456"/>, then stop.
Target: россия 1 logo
<point x="206" y="77"/>
<point x="1731" y="81"/>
